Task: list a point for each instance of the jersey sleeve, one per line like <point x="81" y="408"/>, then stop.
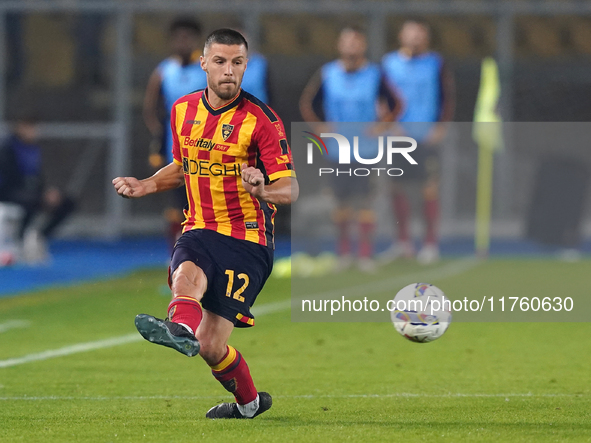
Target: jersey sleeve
<point x="274" y="151"/>
<point x="176" y="148"/>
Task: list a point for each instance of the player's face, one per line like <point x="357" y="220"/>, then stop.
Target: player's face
<point x="225" y="65"/>
<point x="414" y="37"/>
<point x="352" y="45"/>
<point x="184" y="42"/>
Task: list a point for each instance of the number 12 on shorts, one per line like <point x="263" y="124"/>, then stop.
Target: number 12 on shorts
<point x="237" y="296"/>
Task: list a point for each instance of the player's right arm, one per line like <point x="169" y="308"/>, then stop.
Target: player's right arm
<point x="151" y="118"/>
<point x="169" y="177"/>
<point x="312" y="98"/>
<point x="151" y="100"/>
<point x="446" y="107"/>
<point x="312" y="104"/>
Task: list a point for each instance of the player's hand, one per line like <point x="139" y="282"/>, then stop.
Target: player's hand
<point x="129" y="187"/>
<point x="253" y="180"/>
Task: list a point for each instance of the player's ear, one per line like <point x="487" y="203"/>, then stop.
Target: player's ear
<point x="203" y="63"/>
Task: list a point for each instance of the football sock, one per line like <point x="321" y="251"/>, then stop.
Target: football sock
<point x="249" y="409"/>
<point x="402" y="214"/>
<point x="233" y="373"/>
<point x="431" y="213"/>
<point x="185" y="310"/>
<point x="366" y="229"/>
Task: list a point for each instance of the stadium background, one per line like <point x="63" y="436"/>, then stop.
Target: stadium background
<point x="92" y="123"/>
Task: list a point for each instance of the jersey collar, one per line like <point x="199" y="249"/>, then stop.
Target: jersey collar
<point x="217" y="111"/>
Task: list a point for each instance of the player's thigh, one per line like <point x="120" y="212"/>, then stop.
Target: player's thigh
<point x="191" y="266"/>
<point x="240" y="272"/>
<point x="424" y="176"/>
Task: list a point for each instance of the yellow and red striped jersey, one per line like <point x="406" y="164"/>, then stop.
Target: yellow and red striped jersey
<point x="211" y="145"/>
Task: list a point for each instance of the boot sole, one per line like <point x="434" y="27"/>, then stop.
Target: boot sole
<point x="156" y="331"/>
<point x="265" y="404"/>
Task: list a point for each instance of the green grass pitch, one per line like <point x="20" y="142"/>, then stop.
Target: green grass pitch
<point x="329" y="381"/>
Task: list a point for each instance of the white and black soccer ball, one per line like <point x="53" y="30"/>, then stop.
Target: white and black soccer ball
<point x="421" y="312"/>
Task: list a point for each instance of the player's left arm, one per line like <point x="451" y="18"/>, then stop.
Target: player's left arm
<point x="273" y="178"/>
<point x="283" y="191"/>
<point x="390" y="103"/>
<point x="150" y="111"/>
<point x="389" y="107"/>
<point x="447" y="105"/>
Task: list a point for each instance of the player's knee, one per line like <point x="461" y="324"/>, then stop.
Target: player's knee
<point x="212" y="350"/>
<point x="182" y="285"/>
<point x="179" y="282"/>
<point x="188" y="279"/>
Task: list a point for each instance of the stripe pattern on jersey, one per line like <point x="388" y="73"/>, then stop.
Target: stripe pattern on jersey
<point x="211" y="145"/>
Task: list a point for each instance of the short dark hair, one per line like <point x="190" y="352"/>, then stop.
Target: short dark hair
<point x="419" y="21"/>
<point x="185" y="23"/>
<point x="226" y="36"/>
<point x="354" y="28"/>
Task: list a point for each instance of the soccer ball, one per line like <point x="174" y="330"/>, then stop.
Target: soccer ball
<point x="421" y="312"/>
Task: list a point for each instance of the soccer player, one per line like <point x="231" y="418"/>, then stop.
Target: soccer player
<point x="351" y="89"/>
<point x="230" y="152"/>
<point x="174" y="77"/>
<point x="425" y="84"/>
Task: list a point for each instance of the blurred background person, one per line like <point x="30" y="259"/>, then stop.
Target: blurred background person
<point x="350" y="89"/>
<point x="425" y="84"/>
<point x="177" y="75"/>
<point x="21" y="182"/>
